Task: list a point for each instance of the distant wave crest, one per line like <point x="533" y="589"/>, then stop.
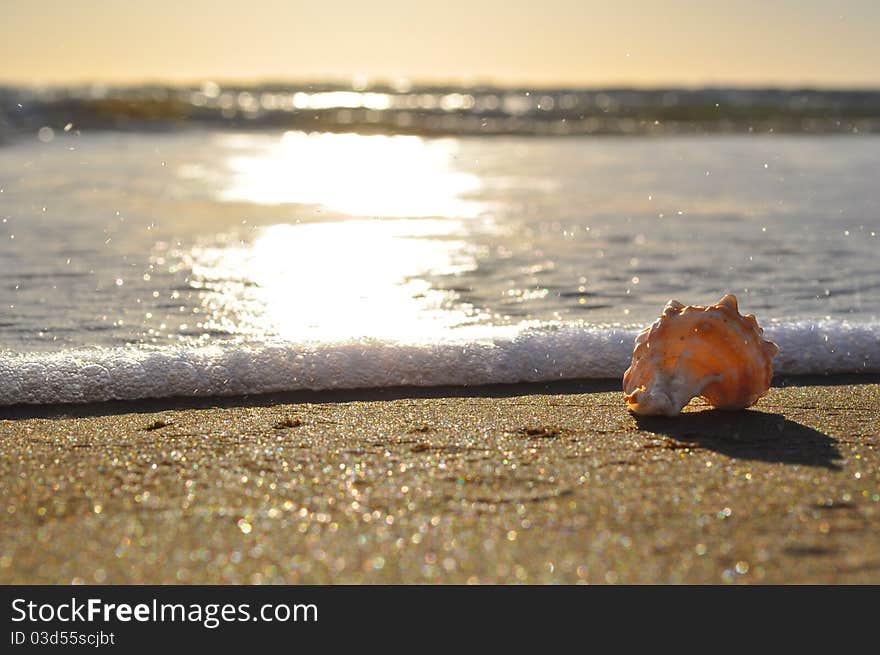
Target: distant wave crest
<point x="434" y="110"/>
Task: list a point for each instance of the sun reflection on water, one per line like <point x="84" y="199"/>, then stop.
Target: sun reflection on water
<point x="349" y="274"/>
<point x="356" y="175"/>
<point x="330" y="281"/>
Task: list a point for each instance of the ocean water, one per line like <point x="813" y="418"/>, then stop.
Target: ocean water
<point x="213" y="262"/>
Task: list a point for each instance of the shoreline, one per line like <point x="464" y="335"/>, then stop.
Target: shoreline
<point x="532" y="483"/>
<point x="496" y="390"/>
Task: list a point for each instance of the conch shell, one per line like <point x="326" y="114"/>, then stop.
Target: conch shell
<point x="712" y="352"/>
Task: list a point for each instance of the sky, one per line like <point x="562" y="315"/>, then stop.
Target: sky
<point x="515" y="42"/>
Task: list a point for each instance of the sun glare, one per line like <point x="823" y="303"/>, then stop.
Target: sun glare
<point x="311" y="281"/>
<point x="356" y="175"/>
<point x="404" y="213"/>
<point x="398" y="216"/>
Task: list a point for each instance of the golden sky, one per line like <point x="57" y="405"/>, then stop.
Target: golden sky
<point x="535" y="42"/>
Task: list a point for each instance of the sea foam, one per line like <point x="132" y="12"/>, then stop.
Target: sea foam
<point x="531" y="354"/>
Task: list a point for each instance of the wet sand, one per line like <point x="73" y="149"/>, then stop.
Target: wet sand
<point x="525" y="483"/>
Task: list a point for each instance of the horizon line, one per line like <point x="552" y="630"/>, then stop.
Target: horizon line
<point x="404" y="85"/>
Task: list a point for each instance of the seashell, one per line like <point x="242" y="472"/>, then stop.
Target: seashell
<point x="712" y="352"/>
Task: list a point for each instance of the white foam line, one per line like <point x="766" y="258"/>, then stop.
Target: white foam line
<point x="534" y="354"/>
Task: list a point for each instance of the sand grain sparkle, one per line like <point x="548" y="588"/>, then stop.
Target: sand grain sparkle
<point x="508" y="484"/>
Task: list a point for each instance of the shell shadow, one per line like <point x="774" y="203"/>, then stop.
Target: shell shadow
<point x="749" y="434"/>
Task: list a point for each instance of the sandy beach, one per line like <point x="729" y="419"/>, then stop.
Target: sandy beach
<point x="507" y="484"/>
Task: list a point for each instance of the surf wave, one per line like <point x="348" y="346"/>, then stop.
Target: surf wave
<point x="439" y="110"/>
<point x="531" y="354"/>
